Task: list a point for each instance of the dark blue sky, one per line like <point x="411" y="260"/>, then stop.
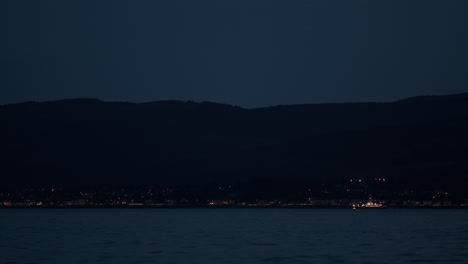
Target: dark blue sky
<point x="246" y="52"/>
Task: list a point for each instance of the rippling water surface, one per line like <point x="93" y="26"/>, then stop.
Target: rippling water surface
<point x="233" y="236"/>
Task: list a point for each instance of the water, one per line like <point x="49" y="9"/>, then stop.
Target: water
<point x="233" y="236"/>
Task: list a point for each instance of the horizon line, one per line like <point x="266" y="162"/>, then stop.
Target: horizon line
<point x="227" y="104"/>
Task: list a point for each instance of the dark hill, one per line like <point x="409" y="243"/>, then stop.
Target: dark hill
<point x="420" y="141"/>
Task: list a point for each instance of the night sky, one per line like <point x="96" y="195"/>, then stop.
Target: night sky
<point x="250" y="53"/>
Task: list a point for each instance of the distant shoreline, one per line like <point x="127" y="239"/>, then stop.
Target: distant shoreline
<point x="231" y="207"/>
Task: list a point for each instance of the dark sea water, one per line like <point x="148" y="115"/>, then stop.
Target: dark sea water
<point x="233" y="236"/>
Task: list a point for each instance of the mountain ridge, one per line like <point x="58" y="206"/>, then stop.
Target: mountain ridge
<point x="90" y="141"/>
<point x="424" y="98"/>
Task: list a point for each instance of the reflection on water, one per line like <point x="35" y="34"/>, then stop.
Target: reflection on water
<point x="233" y="236"/>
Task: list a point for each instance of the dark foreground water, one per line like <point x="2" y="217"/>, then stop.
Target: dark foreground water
<point x="233" y="236"/>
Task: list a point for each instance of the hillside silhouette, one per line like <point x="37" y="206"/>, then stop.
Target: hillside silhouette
<point x="420" y="142"/>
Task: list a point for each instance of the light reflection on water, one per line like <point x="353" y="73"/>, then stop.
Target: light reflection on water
<point x="233" y="236"/>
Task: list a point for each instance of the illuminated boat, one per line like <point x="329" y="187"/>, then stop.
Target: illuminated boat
<point x="371" y="204"/>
